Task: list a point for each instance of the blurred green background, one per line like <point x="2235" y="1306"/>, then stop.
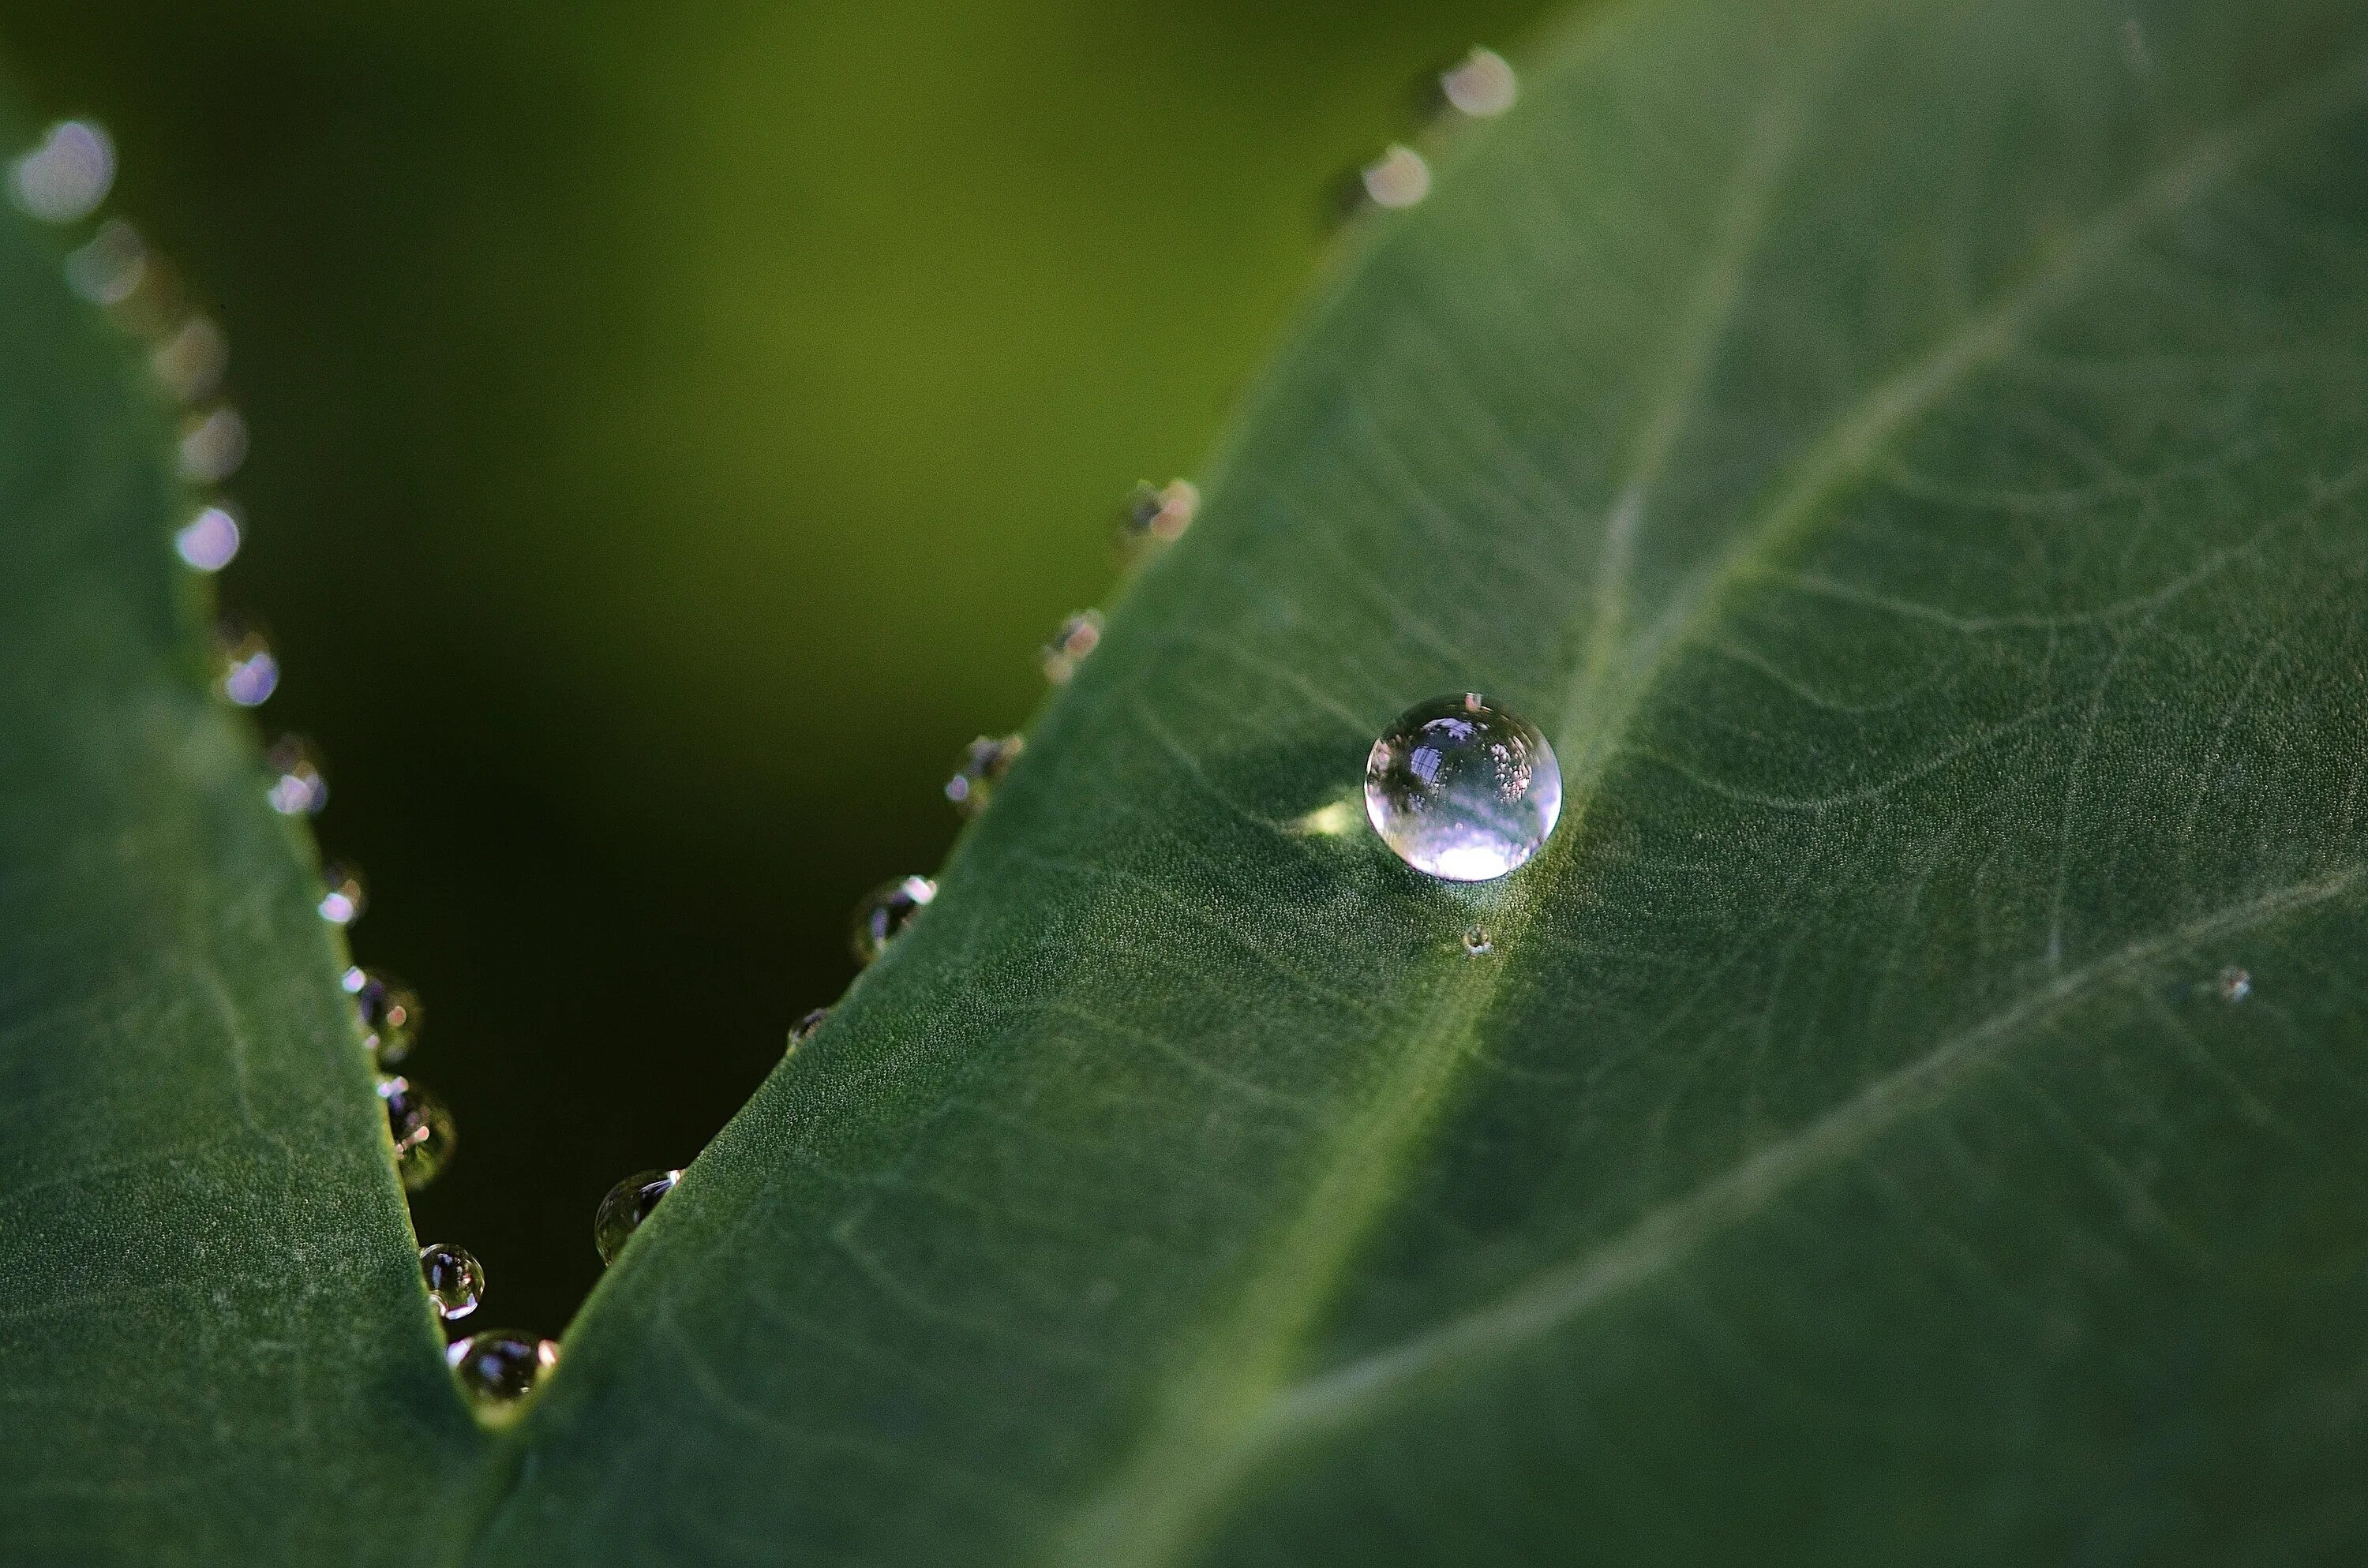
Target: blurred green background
<point x="676" y="427"/>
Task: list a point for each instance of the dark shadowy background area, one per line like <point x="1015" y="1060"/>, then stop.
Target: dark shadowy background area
<point x="676" y="426"/>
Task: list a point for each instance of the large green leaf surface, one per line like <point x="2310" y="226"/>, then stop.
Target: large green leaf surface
<point x="1908" y="458"/>
<point x="213" y="1343"/>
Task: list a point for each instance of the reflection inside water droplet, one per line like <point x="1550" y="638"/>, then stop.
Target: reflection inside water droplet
<point x="983" y="767"/>
<point x="1399" y="177"/>
<point x="1480" y="85"/>
<point x="208" y="542"/>
<point x="422" y="1129"/>
<point x="1478" y="943"/>
<point x="249" y="671"/>
<point x="502" y="1366"/>
<point x="1159" y="514"/>
<point x="64" y="178"/>
<point x="109" y="268"/>
<point x="296" y="788"/>
<point x="388" y="1013"/>
<point x="2235" y="984"/>
<point x="188" y="361"/>
<point x="456" y="1280"/>
<point x="1462" y="789"/>
<point x="346" y="896"/>
<point x="629" y="1203"/>
<point x="1079" y="635"/>
<point x="804" y="1029"/>
<point x="886" y="911"/>
<point x="213" y="444"/>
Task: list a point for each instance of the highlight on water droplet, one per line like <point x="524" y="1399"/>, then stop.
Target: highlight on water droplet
<point x="1079" y="635"/>
<point x="500" y="1367"/>
<point x="297" y="788"/>
<point x="804" y="1029"/>
<point x="1462" y="789"/>
<point x="190" y="360"/>
<point x="2235" y="984"/>
<point x="629" y="1203"/>
<point x="108" y="269"/>
<point x="1399" y="177"/>
<point x="886" y="911"/>
<point x="66" y="175"/>
<point x="214" y="445"/>
<point x="422" y="1129"/>
<point x="248" y="671"/>
<point x="983" y="767"/>
<point x="345" y="897"/>
<point x="456" y="1280"/>
<point x="208" y="542"/>
<point x="1159" y="514"/>
<point x="389" y="1012"/>
<point x="1478" y="944"/>
<point x="1479" y="85"/>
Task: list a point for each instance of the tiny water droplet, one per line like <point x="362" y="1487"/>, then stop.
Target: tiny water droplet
<point x="1478" y="943"/>
<point x="1079" y="635"/>
<point x="983" y="767"/>
<point x="422" y="1129"/>
<point x="2235" y="984"/>
<point x="346" y="896"/>
<point x="108" y="269"/>
<point x="456" y="1280"/>
<point x="389" y="1011"/>
<point x="190" y="360"/>
<point x="64" y="178"/>
<point x="208" y="542"/>
<point x="628" y="1204"/>
<point x="249" y="671"/>
<point x="886" y="911"/>
<point x="1481" y="84"/>
<point x="296" y="788"/>
<point x="501" y="1366"/>
<point x="1159" y="514"/>
<point x="213" y="444"/>
<point x="804" y="1029"/>
<point x="1399" y="177"/>
<point x="1462" y="789"/>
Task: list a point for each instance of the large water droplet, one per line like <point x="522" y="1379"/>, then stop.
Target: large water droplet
<point x="213" y="444"/>
<point x="65" y="178"/>
<point x="109" y="268"/>
<point x="345" y="897"/>
<point x="422" y="1129"/>
<point x="248" y="670"/>
<point x="804" y="1029"/>
<point x="884" y="912"/>
<point x="389" y="1011"/>
<point x="501" y="1366"/>
<point x="983" y="767"/>
<point x="456" y="1280"/>
<point x="1079" y="635"/>
<point x="188" y="361"/>
<point x="1399" y="177"/>
<point x="1158" y="514"/>
<point x="1478" y="944"/>
<point x="1480" y="85"/>
<point x="297" y="787"/>
<point x="208" y="542"/>
<point x="629" y="1203"/>
<point x="1462" y="789"/>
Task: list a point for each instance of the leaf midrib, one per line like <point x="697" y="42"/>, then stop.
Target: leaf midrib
<point x="1229" y="1404"/>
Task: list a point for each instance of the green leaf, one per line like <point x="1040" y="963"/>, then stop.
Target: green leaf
<point x="1908" y="458"/>
<point x="214" y="1345"/>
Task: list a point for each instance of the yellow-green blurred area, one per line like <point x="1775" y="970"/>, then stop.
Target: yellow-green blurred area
<point x="674" y="429"/>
